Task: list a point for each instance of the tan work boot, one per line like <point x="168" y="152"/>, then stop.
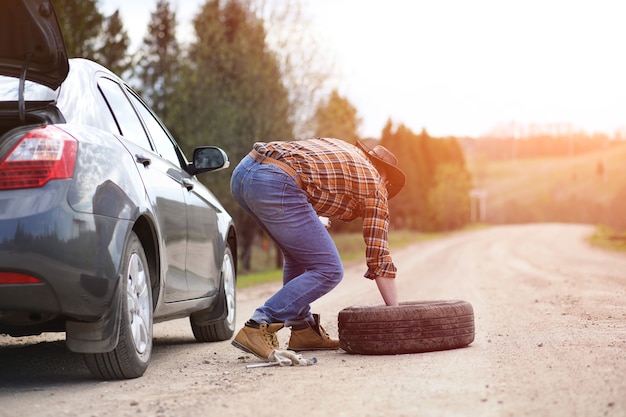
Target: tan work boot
<point x="260" y="342"/>
<point x="312" y="338"/>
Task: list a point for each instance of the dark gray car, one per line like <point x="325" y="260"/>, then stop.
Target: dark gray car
<point x="104" y="227"/>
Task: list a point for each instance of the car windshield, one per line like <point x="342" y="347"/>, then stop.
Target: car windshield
<point x="9" y="90"/>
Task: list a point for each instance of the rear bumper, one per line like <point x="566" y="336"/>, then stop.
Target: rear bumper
<point x="76" y="256"/>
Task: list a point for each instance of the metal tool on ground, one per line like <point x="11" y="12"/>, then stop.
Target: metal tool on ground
<point x="284" y="358"/>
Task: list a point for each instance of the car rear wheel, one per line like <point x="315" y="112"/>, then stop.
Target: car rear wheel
<point x="132" y="354"/>
<point x="224" y="327"/>
<point x="411" y="327"/>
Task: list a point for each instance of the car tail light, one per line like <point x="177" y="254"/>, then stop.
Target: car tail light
<point x="43" y="154"/>
<point x="17" y="278"/>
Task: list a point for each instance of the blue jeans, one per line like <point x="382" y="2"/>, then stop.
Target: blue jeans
<point x="312" y="266"/>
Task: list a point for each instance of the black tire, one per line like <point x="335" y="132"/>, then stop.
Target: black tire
<point x="224" y="328"/>
<point x="411" y="327"/>
<point x="132" y="353"/>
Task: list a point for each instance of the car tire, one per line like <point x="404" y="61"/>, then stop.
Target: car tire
<point x="131" y="355"/>
<point x="224" y="328"/>
<point x="411" y="327"/>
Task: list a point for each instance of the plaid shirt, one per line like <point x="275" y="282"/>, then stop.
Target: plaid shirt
<point x="341" y="182"/>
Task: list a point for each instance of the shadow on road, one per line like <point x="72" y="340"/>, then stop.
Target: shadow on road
<point x="37" y="365"/>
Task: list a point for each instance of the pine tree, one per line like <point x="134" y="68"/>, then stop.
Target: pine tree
<point x="449" y="199"/>
<point x="81" y="23"/>
<point x="337" y="118"/>
<point x="231" y="95"/>
<point x="159" y="61"/>
<point x="115" y="42"/>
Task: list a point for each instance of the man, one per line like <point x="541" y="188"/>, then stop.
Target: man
<point x="285" y="186"/>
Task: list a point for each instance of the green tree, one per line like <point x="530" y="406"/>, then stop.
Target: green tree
<point x="159" y="62"/>
<point x="231" y="95"/>
<point x="422" y="157"/>
<point x="233" y="81"/>
<point x="113" y="53"/>
<point x="449" y="199"/>
<point x="409" y="209"/>
<point x="337" y="118"/>
<point x="81" y="23"/>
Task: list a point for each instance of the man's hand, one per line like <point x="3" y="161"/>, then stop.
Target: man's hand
<point x="387" y="288"/>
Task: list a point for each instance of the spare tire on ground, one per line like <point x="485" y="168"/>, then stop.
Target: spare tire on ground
<point x="411" y="327"/>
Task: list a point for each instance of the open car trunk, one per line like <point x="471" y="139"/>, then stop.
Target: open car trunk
<point x="36" y="113"/>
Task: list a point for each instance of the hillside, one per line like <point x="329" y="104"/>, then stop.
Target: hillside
<point x="589" y="188"/>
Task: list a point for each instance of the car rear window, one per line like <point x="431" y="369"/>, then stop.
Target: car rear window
<point x="10" y="87"/>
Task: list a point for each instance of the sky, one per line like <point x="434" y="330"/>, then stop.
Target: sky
<point x="462" y="67"/>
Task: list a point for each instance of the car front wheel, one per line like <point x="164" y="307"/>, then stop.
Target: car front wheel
<point x="132" y="354"/>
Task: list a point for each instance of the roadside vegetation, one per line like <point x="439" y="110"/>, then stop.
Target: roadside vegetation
<point x="586" y="187"/>
<point x="350" y="245"/>
<point x="607" y="238"/>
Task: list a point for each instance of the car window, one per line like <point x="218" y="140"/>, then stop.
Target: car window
<point x="9" y="90"/>
<point x="161" y="137"/>
<point x="105" y="115"/>
<point x="127" y="119"/>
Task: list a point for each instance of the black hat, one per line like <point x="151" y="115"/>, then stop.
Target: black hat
<point x="381" y="156"/>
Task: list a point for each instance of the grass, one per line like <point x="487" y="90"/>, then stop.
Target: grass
<point x="350" y="245"/>
<point x="516" y="188"/>
<point x="606" y="238"/>
<point x="558" y="189"/>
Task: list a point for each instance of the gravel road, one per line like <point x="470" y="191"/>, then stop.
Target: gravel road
<point x="550" y="320"/>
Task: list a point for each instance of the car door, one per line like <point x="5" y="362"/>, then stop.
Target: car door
<point x="164" y="184"/>
<point x="202" y="257"/>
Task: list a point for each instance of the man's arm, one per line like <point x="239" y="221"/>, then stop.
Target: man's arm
<point x="387" y="288"/>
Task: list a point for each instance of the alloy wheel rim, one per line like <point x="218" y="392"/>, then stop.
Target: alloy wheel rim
<point x="229" y="288"/>
<point x="138" y="302"/>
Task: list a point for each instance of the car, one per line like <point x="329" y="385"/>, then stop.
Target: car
<point x="105" y="228"/>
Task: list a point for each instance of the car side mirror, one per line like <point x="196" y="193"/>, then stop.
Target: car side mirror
<point x="208" y="158"/>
